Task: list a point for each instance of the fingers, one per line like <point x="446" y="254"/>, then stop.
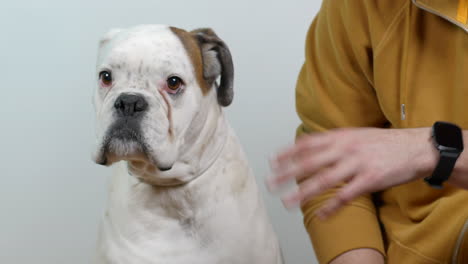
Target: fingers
<point x="355" y="188"/>
<point x="320" y="182"/>
<point x="307" y="156"/>
<point x="303" y="166"/>
<point x="367" y="159"/>
<point x="320" y="162"/>
<point x="305" y="144"/>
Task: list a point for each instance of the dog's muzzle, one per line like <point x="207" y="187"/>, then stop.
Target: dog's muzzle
<point x="129" y="110"/>
<point x="124" y="136"/>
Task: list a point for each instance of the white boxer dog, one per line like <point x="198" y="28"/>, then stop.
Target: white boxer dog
<point x="182" y="191"/>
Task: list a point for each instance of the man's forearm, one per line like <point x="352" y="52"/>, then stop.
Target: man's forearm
<point x="367" y="159"/>
<point x="361" y="256"/>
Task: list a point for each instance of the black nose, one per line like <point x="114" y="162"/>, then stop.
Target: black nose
<point x="130" y="104"/>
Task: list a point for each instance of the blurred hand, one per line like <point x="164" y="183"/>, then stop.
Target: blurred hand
<point x="365" y="160"/>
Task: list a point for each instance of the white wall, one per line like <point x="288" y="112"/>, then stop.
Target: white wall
<point x="51" y="194"/>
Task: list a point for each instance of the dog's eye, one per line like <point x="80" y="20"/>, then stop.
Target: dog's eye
<point x="106" y="78"/>
<point x="174" y="83"/>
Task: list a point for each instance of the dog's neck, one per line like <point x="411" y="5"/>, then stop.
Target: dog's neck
<point x="201" y="145"/>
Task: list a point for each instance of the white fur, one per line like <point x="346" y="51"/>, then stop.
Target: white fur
<point x="207" y="208"/>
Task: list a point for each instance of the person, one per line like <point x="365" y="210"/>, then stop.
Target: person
<point x="377" y="77"/>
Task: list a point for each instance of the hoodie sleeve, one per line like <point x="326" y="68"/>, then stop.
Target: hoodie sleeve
<point x="334" y="90"/>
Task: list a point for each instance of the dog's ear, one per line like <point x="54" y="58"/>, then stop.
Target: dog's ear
<point x="217" y="62"/>
<point x="109" y="36"/>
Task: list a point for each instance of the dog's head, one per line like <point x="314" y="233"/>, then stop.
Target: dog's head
<point x="152" y="82"/>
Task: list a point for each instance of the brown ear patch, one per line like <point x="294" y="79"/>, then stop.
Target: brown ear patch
<point x="193" y="51"/>
<point x="217" y="62"/>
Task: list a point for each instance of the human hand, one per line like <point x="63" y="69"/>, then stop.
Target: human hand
<point x="364" y="159"/>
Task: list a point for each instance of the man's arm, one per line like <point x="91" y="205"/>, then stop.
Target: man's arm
<point x="335" y="89"/>
<point x="361" y="256"/>
<point x="366" y="159"/>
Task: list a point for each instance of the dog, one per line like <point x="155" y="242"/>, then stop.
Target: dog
<point x="182" y="191"/>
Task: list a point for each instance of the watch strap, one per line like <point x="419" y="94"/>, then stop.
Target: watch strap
<point x="443" y="169"/>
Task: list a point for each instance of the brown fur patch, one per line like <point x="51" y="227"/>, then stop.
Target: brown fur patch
<point x="194" y="52"/>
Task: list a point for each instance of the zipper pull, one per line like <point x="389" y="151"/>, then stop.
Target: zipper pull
<point x="403" y="111"/>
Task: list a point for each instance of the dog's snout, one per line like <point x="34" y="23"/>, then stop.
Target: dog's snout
<point x="130" y="104"/>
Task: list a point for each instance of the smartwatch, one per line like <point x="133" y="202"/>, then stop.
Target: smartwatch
<point x="448" y="140"/>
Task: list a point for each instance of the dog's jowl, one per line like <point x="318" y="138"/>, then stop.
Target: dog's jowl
<point x="182" y="191"/>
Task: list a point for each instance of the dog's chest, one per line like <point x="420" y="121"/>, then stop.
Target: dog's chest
<point x="201" y="239"/>
<point x="141" y="227"/>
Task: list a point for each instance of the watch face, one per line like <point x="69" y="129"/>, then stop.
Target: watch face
<point x="448" y="135"/>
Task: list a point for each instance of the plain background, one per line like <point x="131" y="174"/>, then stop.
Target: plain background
<point x="51" y="194"/>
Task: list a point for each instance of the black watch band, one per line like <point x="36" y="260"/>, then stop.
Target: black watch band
<point x="443" y="169"/>
<point x="448" y="140"/>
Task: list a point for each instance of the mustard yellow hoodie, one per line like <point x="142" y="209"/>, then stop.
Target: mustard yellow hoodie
<point x="388" y="63"/>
